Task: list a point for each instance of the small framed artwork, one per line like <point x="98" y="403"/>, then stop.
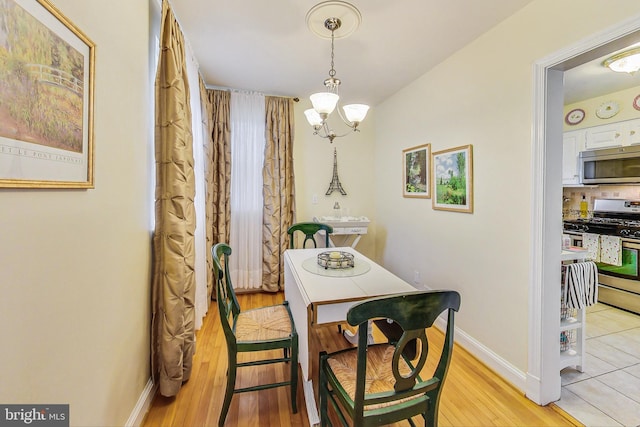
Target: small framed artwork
<point x="46" y="98"/>
<point x="416" y="173"/>
<point x="453" y="179"/>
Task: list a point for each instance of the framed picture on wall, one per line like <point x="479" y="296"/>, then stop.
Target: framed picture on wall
<point x="416" y="173"/>
<point x="453" y="179"/>
<point x="46" y="98"/>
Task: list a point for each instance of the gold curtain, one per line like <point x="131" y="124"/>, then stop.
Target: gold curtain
<point x="207" y="109"/>
<point x="218" y="169"/>
<point x="173" y="289"/>
<point x="278" y="190"/>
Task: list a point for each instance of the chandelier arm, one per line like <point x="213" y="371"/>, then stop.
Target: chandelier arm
<point x="322" y="133"/>
<point x="344" y="119"/>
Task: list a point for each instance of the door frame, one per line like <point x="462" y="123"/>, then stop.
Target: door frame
<point x="543" y="377"/>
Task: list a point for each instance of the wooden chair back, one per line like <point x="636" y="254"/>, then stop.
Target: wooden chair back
<point x="411" y="394"/>
<point x="309" y="229"/>
<point x="226" y="299"/>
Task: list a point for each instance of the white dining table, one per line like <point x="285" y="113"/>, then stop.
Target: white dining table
<point x="319" y="296"/>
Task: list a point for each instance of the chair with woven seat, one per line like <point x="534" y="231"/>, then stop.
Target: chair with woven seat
<point x="393" y="388"/>
<point x="309" y="229"/>
<point x="264" y="328"/>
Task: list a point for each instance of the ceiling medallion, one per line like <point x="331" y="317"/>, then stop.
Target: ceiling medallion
<point x="348" y="15"/>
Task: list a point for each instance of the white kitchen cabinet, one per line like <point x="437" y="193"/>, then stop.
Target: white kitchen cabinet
<point x="605" y="136"/>
<point x="613" y="135"/>
<point x="593" y="138"/>
<point x="633" y="132"/>
<point x="573" y="143"/>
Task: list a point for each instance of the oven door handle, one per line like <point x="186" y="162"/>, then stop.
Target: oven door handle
<point x="630" y="245"/>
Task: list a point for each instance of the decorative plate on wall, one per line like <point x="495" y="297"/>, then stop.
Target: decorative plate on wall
<point x="636" y="102"/>
<point x="574" y="117"/>
<point x="607" y="110"/>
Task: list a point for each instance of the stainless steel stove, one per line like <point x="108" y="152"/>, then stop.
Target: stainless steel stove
<point x="616" y="217"/>
<point x="618" y="285"/>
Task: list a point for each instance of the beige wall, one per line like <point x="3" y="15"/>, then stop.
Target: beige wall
<point x="74" y="264"/>
<point x="482" y="95"/>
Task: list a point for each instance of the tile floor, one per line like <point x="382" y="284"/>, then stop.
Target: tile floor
<point x="607" y="393"/>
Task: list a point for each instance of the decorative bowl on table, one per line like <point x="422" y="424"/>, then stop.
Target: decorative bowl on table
<point x="335" y="260"/>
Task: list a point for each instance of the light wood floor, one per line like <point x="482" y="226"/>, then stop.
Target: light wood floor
<point x="472" y="396"/>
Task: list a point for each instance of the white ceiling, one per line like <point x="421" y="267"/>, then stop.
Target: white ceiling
<point x="266" y="46"/>
<point x="592" y="79"/>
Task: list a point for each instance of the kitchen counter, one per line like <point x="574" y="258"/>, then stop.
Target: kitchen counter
<point x="574" y="253"/>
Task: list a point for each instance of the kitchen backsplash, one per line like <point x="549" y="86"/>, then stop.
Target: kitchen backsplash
<point x="572" y="196"/>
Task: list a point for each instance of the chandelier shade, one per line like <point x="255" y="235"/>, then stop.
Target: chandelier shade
<point x="324" y="102"/>
<point x="355" y="112"/>
<point x="313" y="117"/>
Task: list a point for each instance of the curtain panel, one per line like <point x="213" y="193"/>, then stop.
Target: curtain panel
<point x="218" y="171"/>
<point x="278" y="190"/>
<point x="207" y="111"/>
<point x="173" y="287"/>
<point x="247" y="160"/>
<point x="199" y="137"/>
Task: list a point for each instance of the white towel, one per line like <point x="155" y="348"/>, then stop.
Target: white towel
<point x="611" y="250"/>
<point x="591" y="242"/>
<point x="580" y="284"/>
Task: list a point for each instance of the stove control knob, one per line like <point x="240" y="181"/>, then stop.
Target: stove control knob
<point x="636" y="234"/>
<point x="625" y="232"/>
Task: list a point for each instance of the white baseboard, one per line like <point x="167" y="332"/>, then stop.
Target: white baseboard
<point x="142" y="405"/>
<point x="503" y="368"/>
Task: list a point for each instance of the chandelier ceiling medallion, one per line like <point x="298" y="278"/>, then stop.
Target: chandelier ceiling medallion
<point x="624" y="62"/>
<point x="331" y="20"/>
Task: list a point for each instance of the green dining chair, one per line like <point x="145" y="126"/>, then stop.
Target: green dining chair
<point x="264" y="328"/>
<point x="309" y="229"/>
<point x="378" y="384"/>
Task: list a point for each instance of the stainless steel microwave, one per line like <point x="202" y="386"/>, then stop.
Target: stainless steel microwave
<point x="610" y="165"/>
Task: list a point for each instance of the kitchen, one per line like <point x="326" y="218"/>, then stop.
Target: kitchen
<point x="602" y="133"/>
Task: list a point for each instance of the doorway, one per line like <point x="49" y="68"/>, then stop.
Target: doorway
<point x="543" y="383"/>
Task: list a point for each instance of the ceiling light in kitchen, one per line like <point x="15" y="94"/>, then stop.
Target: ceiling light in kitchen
<point x="624" y="62"/>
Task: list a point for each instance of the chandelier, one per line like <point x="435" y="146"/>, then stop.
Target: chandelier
<point x="324" y="103"/>
<point x="624" y="62"/>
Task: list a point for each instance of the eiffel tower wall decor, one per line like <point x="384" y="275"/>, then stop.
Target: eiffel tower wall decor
<point x="335" y="181"/>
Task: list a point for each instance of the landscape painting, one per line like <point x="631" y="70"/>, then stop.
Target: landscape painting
<point x="46" y="88"/>
<point x="415" y="164"/>
<point x="453" y="179"/>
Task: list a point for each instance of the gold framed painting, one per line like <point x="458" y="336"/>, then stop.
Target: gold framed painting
<point x="46" y="98"/>
<point x="453" y="179"/>
<point x="416" y="174"/>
